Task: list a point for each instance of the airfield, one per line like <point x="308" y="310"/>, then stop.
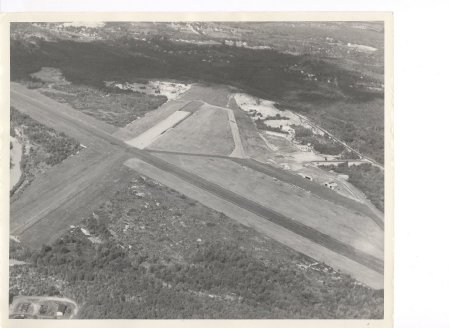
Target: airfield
<point x="202" y="145"/>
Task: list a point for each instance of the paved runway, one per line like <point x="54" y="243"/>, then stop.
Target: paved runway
<point x="83" y="184"/>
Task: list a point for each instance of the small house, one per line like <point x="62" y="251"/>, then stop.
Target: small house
<point x="332" y="185"/>
<point x="61" y="310"/>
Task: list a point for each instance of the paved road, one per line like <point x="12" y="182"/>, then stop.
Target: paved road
<point x="336" y="139"/>
<point x="99" y="135"/>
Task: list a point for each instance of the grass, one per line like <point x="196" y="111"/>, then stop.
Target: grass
<point x="206" y="131"/>
<point x="347" y="225"/>
<point x="47" y="148"/>
<point x="179" y="259"/>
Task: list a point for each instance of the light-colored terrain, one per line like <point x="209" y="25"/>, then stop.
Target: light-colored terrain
<point x="350" y="227"/>
<point x="238" y="148"/>
<point x="168" y="89"/>
<point x="248" y="218"/>
<point x="34" y="305"/>
<point x="206" y="131"/>
<point x="337" y="233"/>
<point x="16" y="156"/>
<point x="148" y="137"/>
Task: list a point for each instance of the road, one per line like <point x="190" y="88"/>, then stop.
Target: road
<point x="315" y="188"/>
<point x="37" y="301"/>
<point x="336" y="139"/>
<point x="84" y="190"/>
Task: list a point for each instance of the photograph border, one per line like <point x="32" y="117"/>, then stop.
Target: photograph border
<point x="386" y="17"/>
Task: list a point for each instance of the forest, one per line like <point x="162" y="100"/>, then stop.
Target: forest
<point x="157" y="267"/>
<point x="368" y="178"/>
<point x="346" y="110"/>
<point x="218" y="281"/>
<point x="323" y="145"/>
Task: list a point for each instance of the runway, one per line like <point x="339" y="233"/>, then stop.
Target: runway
<point x="76" y="185"/>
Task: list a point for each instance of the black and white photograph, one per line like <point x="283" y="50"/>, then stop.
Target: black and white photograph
<point x="206" y="169"/>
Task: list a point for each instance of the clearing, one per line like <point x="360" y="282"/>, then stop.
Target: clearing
<point x="206" y="131"/>
<point x="339" y="222"/>
<point x="264" y="226"/>
<point x="149" y="136"/>
<point x="171" y="90"/>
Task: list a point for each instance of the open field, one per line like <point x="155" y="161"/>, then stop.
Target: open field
<point x="148" y="137"/>
<point x="63" y="195"/>
<point x="252" y="143"/>
<point x="238" y="147"/>
<point x="99" y="135"/>
<point x="58" y="116"/>
<point x="206" y="131"/>
<point x="302" y="206"/>
<point x="315" y="188"/>
<point x="216" y="95"/>
<point x="149" y="120"/>
<point x="234" y="210"/>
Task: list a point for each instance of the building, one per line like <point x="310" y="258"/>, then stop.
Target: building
<point x="332" y="185"/>
<point x="61" y="310"/>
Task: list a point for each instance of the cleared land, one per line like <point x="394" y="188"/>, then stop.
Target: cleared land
<point x="61" y="117"/>
<point x="188" y="101"/>
<point x="297" y="204"/>
<point x="63" y="195"/>
<point x="148" y="137"/>
<point x="215" y="95"/>
<point x="238" y="148"/>
<point x="252" y="143"/>
<point x="206" y="131"/>
<point x="102" y="139"/>
<point x="315" y="188"/>
<point x="247" y="203"/>
<point x="249" y="218"/>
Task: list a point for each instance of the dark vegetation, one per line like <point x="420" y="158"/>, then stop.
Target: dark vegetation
<point x="262" y="126"/>
<point x="57" y="145"/>
<point x="350" y="154"/>
<point x="47" y="147"/>
<point x="368" y="178"/>
<point x="261" y="72"/>
<point x="158" y="267"/>
<point x="323" y="145"/>
<point x="352" y="112"/>
<point x="114" y="106"/>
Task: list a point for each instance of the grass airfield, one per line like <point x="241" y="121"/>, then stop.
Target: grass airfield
<point x="194" y="154"/>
